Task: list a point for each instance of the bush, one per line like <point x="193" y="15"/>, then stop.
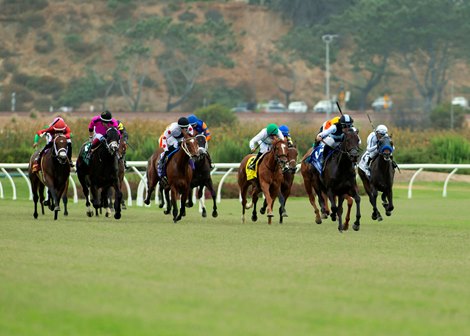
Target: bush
<point x="216" y="115"/>
<point x="44" y="43"/>
<point x="75" y="43"/>
<point x="441" y="116"/>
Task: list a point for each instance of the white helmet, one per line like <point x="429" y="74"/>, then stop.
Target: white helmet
<point x="381" y="129"/>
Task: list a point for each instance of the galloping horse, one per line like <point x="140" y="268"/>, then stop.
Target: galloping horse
<point x="382" y="173"/>
<point x="180" y="173"/>
<point x="337" y="182"/>
<point x="268" y="179"/>
<point x="102" y="172"/>
<point x="152" y="176"/>
<point x="202" y="177"/>
<point x="286" y="185"/>
<point x="54" y="174"/>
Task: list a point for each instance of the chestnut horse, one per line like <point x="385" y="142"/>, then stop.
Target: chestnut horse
<point x="268" y="180"/>
<point x="152" y="176"/>
<point x="102" y="172"/>
<point x="54" y="174"/>
<point x="382" y="171"/>
<point x="180" y="173"/>
<point x="287" y="181"/>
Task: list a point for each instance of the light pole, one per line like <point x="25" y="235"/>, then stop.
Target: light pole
<point x="328" y="38"/>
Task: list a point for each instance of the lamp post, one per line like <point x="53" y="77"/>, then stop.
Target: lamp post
<point x="328" y="38"/>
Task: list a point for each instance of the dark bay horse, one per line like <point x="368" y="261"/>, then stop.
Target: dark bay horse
<point x="382" y="173"/>
<point x="102" y="172"/>
<point x="268" y="180"/>
<point x="54" y="174"/>
<point x="287" y="181"/>
<point x="180" y="173"/>
<point x="338" y="180"/>
<point x="202" y="177"/>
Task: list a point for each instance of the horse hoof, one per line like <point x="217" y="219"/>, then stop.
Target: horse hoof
<point x="284" y="214"/>
<point x="89" y="213"/>
<point x="318" y="221"/>
<point x="356" y="227"/>
<point x="117" y="216"/>
<point x="254" y="218"/>
<point x="161" y="205"/>
<point x="388" y="213"/>
<point x="262" y="211"/>
<point x="270" y="215"/>
<point x="166" y="212"/>
<point x="46" y="203"/>
<point x="204" y="214"/>
<point x="147" y="202"/>
<point x="35" y="216"/>
<point x="324" y="216"/>
<point x="380" y="218"/>
<point x="215" y="214"/>
<point x="374" y="216"/>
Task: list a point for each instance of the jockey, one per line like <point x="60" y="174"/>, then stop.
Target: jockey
<point x="199" y="127"/>
<point x="57" y="126"/>
<point x="98" y="127"/>
<point x="332" y="132"/>
<point x="372" y="144"/>
<point x="264" y="140"/>
<point x="285" y="131"/>
<point x="170" y="140"/>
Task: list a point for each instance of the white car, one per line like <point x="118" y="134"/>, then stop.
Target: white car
<point x="297" y="107"/>
<point x="325" y="106"/>
<point x="460" y="101"/>
<point x="380" y="104"/>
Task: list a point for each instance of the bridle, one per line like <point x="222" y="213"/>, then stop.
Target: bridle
<point x="385" y="147"/>
<point x="280" y="159"/>
<point x="60" y="152"/>
<point x="352" y="150"/>
<point x="112" y="144"/>
<point x="185" y="147"/>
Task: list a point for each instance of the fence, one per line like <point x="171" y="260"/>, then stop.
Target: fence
<point x="224" y="169"/>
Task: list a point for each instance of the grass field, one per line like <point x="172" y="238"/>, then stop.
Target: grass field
<point x="144" y="275"/>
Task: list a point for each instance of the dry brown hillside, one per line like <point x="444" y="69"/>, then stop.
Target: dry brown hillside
<point x="256" y="29"/>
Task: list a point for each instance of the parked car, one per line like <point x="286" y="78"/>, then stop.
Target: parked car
<point x="273" y="106"/>
<point x="325" y="106"/>
<point x="380" y="104"/>
<point x="240" y="109"/>
<point x="460" y="101"/>
<point x="297" y="107"/>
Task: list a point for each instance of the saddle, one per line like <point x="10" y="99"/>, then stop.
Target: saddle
<point x="251" y="174"/>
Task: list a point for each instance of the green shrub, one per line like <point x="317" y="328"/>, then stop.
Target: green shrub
<point x="441" y="116"/>
<point x="451" y="149"/>
<point x="216" y="115"/>
<point x="44" y="43"/>
<point x="75" y="43"/>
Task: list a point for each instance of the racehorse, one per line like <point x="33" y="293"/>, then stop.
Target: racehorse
<point x="102" y="172"/>
<point x="382" y="173"/>
<point x="54" y="174"/>
<point x="202" y="177"/>
<point x="287" y="181"/>
<point x="312" y="184"/>
<point x="179" y="174"/>
<point x="268" y="179"/>
<point x="152" y="176"/>
<point x="338" y="180"/>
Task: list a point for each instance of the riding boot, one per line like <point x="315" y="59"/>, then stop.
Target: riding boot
<point x="252" y="165"/>
<point x="69" y="154"/>
<point x="37" y="160"/>
<point x="161" y="164"/>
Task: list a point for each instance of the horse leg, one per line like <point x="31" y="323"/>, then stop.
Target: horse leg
<point x="41" y="196"/>
<point x="311" y="198"/>
<point x="262" y="210"/>
<point x="254" y="213"/>
<point x="168" y="201"/>
<point x="339" y="212"/>
<point x="161" y="197"/>
<point x="151" y="183"/>
<point x="174" y="204"/>
<point x="334" y="208"/>
<point x="388" y="205"/>
<point x="323" y="200"/>
<point x="54" y="202"/>
<point x="34" y="189"/>
<point x="117" y="202"/>
<point x="243" y="192"/>
<point x="65" y="201"/>
<point x="265" y="187"/>
<point x="189" y="202"/>
<point x="95" y="199"/>
<point x="349" y="199"/>
<point x="202" y="205"/>
<point x="185" y="195"/>
<point x="357" y="199"/>
<point x="210" y="187"/>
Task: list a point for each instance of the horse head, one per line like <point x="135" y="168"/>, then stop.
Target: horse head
<point x="202" y="145"/>
<point x="280" y="150"/>
<point x="60" y="148"/>
<point x="190" y="146"/>
<point x="292" y="154"/>
<point x="350" y="145"/>
<point x="112" y="140"/>
<point x="385" y="147"/>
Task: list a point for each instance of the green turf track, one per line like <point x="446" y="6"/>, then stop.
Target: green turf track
<point x="144" y="275"/>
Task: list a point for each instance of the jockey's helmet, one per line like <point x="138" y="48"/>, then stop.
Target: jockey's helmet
<point x="272" y="129"/>
<point x="381" y="129"/>
<point x="192" y="120"/>
<point x="59" y="125"/>
<point x="346" y="120"/>
<point x="106" y="116"/>
<point x="284" y="130"/>
<point x="183" y="122"/>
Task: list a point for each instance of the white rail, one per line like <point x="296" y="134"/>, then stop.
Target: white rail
<point x="225" y="169"/>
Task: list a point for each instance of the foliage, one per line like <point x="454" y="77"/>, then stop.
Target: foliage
<point x="441" y="116"/>
<point x="216" y="115"/>
<point x="75" y="43"/>
<point x="451" y="149"/>
<point x="83" y="89"/>
<point x="44" y="43"/>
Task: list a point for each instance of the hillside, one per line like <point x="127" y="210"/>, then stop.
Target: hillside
<point x="255" y="28"/>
